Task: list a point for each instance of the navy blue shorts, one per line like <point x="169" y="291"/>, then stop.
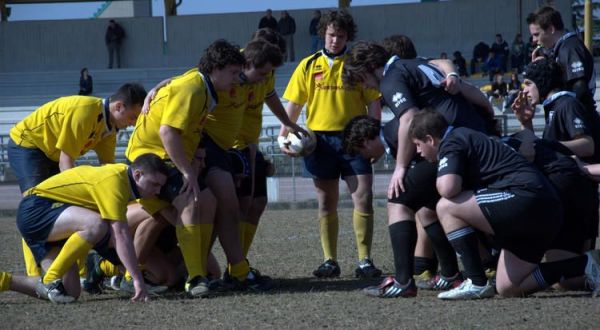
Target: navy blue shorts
<point x="172" y="187"/>
<point x="35" y="219"/>
<point x="329" y="162"/>
<point x="215" y="155"/>
<point x="260" y="177"/>
<point x="523" y="223"/>
<point x="419" y="186"/>
<point x="31" y="166"/>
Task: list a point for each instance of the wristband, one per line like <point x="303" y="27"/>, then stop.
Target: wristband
<point x="452" y="74"/>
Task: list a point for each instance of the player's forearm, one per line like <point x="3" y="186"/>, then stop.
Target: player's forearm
<point x="171" y="139"/>
<point x="293" y="112"/>
<point x="581" y="147"/>
<point x="125" y="250"/>
<point x="374" y="109"/>
<point x="278" y="110"/>
<point x="406" y="149"/>
<point x="65" y="161"/>
<point x="476" y="97"/>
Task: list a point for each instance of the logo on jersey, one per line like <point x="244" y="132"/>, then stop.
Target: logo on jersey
<point x="251" y="96"/>
<point x="576" y="67"/>
<point x="232" y="93"/>
<point x="550" y="115"/>
<point x="443" y="163"/>
<point x="398" y="99"/>
<point x="318" y="76"/>
<point x="578" y="123"/>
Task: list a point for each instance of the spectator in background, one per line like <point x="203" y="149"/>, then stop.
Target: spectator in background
<point x="287" y="28"/>
<point x="316" y="42"/>
<point x="500" y="48"/>
<point x="460" y="63"/>
<point x="268" y="21"/>
<point x="493" y="64"/>
<point x="480" y="55"/>
<point x="114" y="37"/>
<point x="514" y="86"/>
<point x="499" y="87"/>
<point x="85" y="82"/>
<point x="443" y="56"/>
<point x="517" y="55"/>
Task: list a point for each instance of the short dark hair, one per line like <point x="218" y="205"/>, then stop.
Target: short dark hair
<point x="358" y="130"/>
<point x="150" y="163"/>
<point x="363" y="57"/>
<point x="545" y="17"/>
<point x="400" y="45"/>
<point x="130" y="94"/>
<point x="340" y="20"/>
<point x="271" y="36"/>
<point x="261" y="52"/>
<point x="220" y="54"/>
<point x="546" y="74"/>
<point x="427" y="122"/>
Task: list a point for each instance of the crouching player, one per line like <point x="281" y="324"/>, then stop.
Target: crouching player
<point x="503" y="196"/>
<point x="63" y="217"/>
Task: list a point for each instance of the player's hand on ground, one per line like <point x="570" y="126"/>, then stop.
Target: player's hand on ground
<point x="149" y="97"/>
<point x="522" y="109"/>
<point x="396" y="185"/>
<point x="141" y="293"/>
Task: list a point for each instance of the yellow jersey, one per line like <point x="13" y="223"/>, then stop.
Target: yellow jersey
<point x="225" y="122"/>
<point x="256" y="94"/>
<point x="73" y="124"/>
<point x="317" y="82"/>
<point x="182" y="104"/>
<point x="105" y="189"/>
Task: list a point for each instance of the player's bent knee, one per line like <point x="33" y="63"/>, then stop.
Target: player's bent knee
<point x="96" y="229"/>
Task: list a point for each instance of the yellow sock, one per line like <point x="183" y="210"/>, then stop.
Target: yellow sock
<point x="363" y="229"/>
<point x="329" y="234"/>
<point x="81" y="264"/>
<point x="127" y="276"/>
<point x="31" y="266"/>
<point x="75" y="248"/>
<point x="239" y="270"/>
<point x="108" y="268"/>
<point x="248" y="234"/>
<point x="194" y="242"/>
<point x="5" y="279"/>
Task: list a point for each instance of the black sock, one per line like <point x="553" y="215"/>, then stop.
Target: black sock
<point x="403" y="235"/>
<point x="465" y="243"/>
<point x="552" y="272"/>
<point x="423" y="263"/>
<point x="443" y="249"/>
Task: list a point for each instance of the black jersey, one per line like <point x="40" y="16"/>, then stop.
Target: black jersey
<point x="416" y="83"/>
<point x="567" y="119"/>
<point x="485" y="162"/>
<point x="577" y="63"/>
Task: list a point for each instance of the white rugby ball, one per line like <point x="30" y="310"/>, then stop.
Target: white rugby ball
<point x="304" y="145"/>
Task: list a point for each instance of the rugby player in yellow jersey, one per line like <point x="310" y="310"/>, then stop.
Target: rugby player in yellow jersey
<point x="51" y="138"/>
<point x="172" y="130"/>
<point x="317" y="82"/>
<point x="259" y="87"/>
<point x="63" y="217"/>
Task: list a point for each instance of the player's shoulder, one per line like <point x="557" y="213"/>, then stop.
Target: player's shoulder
<point x="310" y="60"/>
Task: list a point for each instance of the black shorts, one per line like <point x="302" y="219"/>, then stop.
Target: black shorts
<point x="260" y="178"/>
<point x="523" y="223"/>
<point x="35" y="219"/>
<point x="579" y="199"/>
<point x="172" y="187"/>
<point x="167" y="240"/>
<point x="419" y="186"/>
<point x="215" y="155"/>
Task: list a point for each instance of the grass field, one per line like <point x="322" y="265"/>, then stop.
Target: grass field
<point x="287" y="248"/>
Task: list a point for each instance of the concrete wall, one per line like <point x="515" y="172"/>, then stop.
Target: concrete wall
<point x="434" y="27"/>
